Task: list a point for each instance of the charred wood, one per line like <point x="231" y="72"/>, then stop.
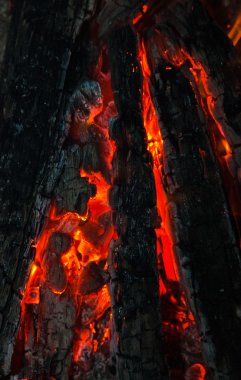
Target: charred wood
<point x="34" y="103"/>
<point x="134" y="290"/>
<point x="204" y="237"/>
<point x="187" y="37"/>
<point x="115" y="13"/>
<point x="69" y="281"/>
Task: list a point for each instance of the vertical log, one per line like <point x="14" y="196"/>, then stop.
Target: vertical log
<point x="58" y="326"/>
<point x="203" y="234"/>
<point x="189" y="38"/>
<point x="34" y="101"/>
<point x="134" y="281"/>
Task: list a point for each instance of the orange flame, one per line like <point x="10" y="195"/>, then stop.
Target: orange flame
<point x="140" y="15"/>
<point x="235" y="32"/>
<point x="155" y="147"/>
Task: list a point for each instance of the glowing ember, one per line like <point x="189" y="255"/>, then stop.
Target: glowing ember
<point x="69" y="264"/>
<point x="222" y="141"/>
<point x="139" y="16"/>
<point x="235" y="32"/>
<point x="178" y="321"/>
<point x="70" y="261"/>
<point x="155" y="147"/>
<point x="196" y="372"/>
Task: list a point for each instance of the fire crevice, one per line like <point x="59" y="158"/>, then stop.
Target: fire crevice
<point x="178" y="319"/>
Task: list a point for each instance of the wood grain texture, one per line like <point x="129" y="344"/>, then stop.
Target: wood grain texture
<point x="133" y="264"/>
<point x="200" y="213"/>
<point x="34" y="101"/>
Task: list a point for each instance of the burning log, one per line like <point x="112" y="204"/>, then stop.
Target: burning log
<point x="204" y="238"/>
<point x="55" y="148"/>
<point x="33" y="107"/>
<point x="179" y="326"/>
<point x="67" y="273"/>
<point x="134" y="282"/>
<point x="215" y="77"/>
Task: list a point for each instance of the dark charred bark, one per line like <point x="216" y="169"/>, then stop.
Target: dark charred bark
<point x="207" y="238"/>
<point x="4" y="25"/>
<point x="118" y="12"/>
<point x="134" y="281"/>
<point x="34" y="102"/>
<point x="203" y="234"/>
<point x="186" y="36"/>
<point x="223" y="12"/>
<point x="47" y="60"/>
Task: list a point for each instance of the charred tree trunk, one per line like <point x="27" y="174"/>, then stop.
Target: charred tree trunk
<point x="187" y="37"/>
<point x="206" y="238"/>
<point x="134" y="281"/>
<point x="34" y="102"/>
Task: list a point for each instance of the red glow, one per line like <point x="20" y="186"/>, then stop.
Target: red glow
<point x="201" y="78"/>
<point x="140" y="15"/>
<point x="89" y="239"/>
<point x="155" y="147"/>
<point x="196" y="371"/>
<point x="235" y="32"/>
<point x="219" y="128"/>
<point x="177" y="316"/>
<point x="32" y="295"/>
